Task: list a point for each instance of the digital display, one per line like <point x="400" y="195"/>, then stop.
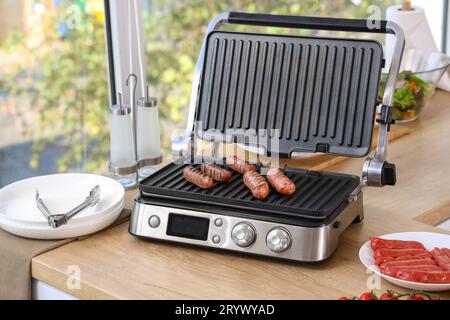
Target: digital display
<point x="188" y="227"/>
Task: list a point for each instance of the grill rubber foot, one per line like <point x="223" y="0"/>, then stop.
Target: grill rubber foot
<point x="359" y="218"/>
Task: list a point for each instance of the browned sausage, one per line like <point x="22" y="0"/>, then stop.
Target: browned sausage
<point x="257" y="184"/>
<point x="280" y="182"/>
<point x="216" y="172"/>
<point x="198" y="178"/>
<point x="240" y="165"/>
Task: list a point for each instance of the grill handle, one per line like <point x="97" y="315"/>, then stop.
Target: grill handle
<point x="314" y="23"/>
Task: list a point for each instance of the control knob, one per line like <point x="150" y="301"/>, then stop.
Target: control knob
<point x="243" y="234"/>
<point x="278" y="240"/>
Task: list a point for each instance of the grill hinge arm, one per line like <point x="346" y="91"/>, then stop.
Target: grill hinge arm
<point x="376" y="170"/>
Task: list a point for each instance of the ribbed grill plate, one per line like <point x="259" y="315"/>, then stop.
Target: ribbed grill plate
<point x="319" y="93"/>
<point x="318" y="194"/>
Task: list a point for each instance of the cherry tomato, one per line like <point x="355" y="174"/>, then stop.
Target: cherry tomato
<point x="416" y="297"/>
<point x="388" y="296"/>
<point x="368" y="296"/>
<point x="344" y="298"/>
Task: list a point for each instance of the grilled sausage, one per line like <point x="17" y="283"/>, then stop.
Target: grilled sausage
<point x="280" y="182"/>
<point x="378" y="243"/>
<point x="240" y="165"/>
<point x="396" y="252"/>
<point x="216" y="172"/>
<point x="257" y="184"/>
<point x="198" y="178"/>
<point x="424" y="276"/>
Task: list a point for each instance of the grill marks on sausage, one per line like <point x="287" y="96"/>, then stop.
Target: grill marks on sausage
<point x="280" y="182"/>
<point x="240" y="165"/>
<point x="257" y="184"/>
<point x="198" y="178"/>
<point x="207" y="173"/>
<point x="216" y="172"/>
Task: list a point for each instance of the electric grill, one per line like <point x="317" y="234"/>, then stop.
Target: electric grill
<point x="284" y="94"/>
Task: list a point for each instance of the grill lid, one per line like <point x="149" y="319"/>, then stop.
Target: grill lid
<point x="289" y="94"/>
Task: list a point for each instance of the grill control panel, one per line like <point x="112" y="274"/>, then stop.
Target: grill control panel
<point x="240" y="234"/>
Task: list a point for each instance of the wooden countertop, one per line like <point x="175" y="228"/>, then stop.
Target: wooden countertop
<point x="114" y="264"/>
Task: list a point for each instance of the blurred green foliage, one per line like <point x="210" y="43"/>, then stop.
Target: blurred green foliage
<point x="62" y="72"/>
<point x="65" y="76"/>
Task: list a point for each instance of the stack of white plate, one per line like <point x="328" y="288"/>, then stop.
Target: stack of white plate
<point x="60" y="192"/>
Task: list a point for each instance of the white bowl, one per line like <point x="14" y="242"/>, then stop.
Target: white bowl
<point x="429" y="239"/>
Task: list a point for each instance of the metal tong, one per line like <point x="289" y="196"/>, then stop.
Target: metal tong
<point x="57" y="220"/>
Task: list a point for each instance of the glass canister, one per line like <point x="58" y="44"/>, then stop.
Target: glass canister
<point x="148" y="135"/>
<point x="123" y="165"/>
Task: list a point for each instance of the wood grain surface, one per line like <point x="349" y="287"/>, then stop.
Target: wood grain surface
<point x="435" y="216"/>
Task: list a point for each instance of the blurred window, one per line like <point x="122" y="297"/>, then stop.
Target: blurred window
<point x="53" y="88"/>
<point x="54" y="81"/>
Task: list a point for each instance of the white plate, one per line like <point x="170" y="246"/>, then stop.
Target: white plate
<point x="60" y="192"/>
<point x="4" y="220"/>
<point x="429" y="239"/>
<point x="69" y="230"/>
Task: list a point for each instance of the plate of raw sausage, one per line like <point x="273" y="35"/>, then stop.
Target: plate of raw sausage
<point x="413" y="260"/>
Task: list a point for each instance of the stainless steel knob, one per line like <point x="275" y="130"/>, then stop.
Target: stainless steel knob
<point x="278" y="240"/>
<point x="243" y="234"/>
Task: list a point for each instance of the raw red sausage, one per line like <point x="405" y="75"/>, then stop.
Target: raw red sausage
<point x="198" y="178"/>
<point x="392" y="271"/>
<point x="257" y="184"/>
<point x="280" y="182"/>
<point x="418" y="262"/>
<point x="397" y="252"/>
<point x="216" y="172"/>
<point x="378" y="243"/>
<point x="381" y="260"/>
<point x="240" y="165"/>
<point x="441" y="258"/>
<point x="424" y="276"/>
<point x="447" y="251"/>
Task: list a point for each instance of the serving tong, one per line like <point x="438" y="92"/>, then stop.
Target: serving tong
<point x="57" y="220"/>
